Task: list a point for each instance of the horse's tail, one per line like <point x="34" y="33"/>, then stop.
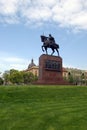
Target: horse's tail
<point x="56" y="45"/>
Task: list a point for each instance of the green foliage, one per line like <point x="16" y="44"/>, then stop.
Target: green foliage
<point x="43" y="108"/>
<point x="6" y="77"/>
<point x="70" y="78"/>
<point x="1" y="81"/>
<point x="28" y="77"/>
<point x="18" y="77"/>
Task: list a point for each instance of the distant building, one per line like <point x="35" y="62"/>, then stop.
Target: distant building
<point x="65" y="73"/>
<point x="33" y="68"/>
<point x="76" y="73"/>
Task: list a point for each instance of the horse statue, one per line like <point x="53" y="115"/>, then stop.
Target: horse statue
<point x="49" y="44"/>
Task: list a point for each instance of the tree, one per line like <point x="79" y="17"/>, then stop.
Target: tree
<point x="16" y="76"/>
<point x="28" y="77"/>
<point x="6" y="77"/>
<point x="83" y="81"/>
<point x="70" y="77"/>
<point x="1" y="81"/>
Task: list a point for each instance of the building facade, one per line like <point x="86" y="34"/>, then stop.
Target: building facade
<point x="77" y="74"/>
<point x="33" y="68"/>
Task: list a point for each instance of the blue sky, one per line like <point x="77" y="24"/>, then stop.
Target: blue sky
<point x="23" y="21"/>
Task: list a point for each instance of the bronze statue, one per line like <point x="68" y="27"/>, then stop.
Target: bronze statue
<point x="51" y="39"/>
<point x="49" y="42"/>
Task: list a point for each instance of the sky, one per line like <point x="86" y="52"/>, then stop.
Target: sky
<point x="22" y="22"/>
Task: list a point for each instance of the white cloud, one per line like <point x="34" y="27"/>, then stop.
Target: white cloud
<point x="13" y="59"/>
<point x="65" y="13"/>
<point x="9" y="62"/>
<point x="71" y="14"/>
<point x="8" y="7"/>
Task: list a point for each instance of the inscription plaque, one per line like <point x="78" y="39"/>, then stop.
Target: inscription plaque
<point x="53" y="65"/>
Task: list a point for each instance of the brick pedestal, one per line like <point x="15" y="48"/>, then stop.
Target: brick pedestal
<point x="50" y="70"/>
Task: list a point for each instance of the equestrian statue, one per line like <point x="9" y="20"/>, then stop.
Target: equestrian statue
<point x="49" y="42"/>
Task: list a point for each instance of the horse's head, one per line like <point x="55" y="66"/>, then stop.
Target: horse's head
<point x="43" y="38"/>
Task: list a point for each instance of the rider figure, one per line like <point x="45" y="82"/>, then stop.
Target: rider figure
<point x="51" y="39"/>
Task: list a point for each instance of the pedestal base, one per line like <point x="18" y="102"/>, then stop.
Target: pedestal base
<point x="50" y="70"/>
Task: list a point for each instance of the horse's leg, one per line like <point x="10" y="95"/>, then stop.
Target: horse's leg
<point x="57" y="51"/>
<point x="53" y="51"/>
<point x="42" y="48"/>
<point x="46" y="50"/>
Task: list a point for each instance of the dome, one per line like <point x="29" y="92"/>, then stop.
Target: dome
<point x="31" y="64"/>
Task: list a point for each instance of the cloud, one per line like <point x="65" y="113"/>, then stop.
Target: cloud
<point x="14" y="59"/>
<point x="64" y="13"/>
<point x="8" y="7"/>
<point x="11" y="62"/>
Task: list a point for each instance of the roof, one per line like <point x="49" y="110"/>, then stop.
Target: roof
<point x="31" y="64"/>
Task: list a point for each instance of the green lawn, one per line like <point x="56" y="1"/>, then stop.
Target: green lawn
<point x="43" y="108"/>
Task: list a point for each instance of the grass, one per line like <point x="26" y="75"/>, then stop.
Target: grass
<point x="43" y="108"/>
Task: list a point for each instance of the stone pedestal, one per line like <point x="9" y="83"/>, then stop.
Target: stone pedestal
<point x="50" y="70"/>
